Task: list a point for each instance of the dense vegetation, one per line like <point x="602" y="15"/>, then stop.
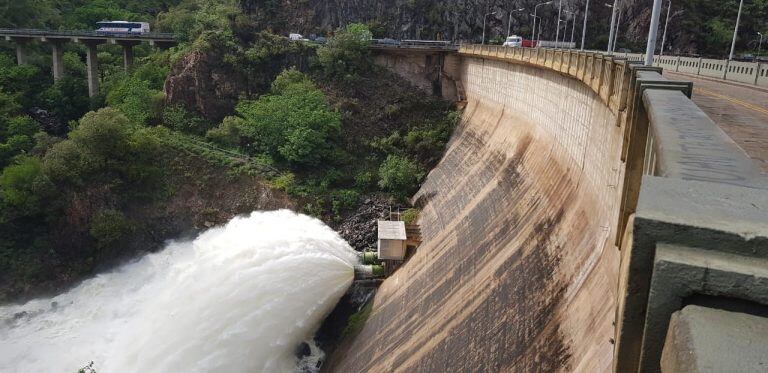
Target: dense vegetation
<point x="83" y="180"/>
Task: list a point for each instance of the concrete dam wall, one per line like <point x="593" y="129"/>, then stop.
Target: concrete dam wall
<point x="536" y="252"/>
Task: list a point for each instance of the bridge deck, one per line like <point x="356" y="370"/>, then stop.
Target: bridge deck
<point x="91" y="35"/>
<point x="741" y="110"/>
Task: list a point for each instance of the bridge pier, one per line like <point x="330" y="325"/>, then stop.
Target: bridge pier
<point x="92" y="62"/>
<point x="127" y="53"/>
<point x="58" y="60"/>
<point x="21" y="44"/>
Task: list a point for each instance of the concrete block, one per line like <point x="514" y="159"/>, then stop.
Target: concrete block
<point x="680" y="273"/>
<point x="704" y="215"/>
<point x="702" y="339"/>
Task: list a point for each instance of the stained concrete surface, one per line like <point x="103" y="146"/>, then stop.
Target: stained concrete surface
<point x="518" y="268"/>
<point x="741" y="110"/>
<point x="702" y="339"/>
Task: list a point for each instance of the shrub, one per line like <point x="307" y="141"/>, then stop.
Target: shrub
<point x="399" y="175"/>
<point x="177" y="117"/>
<point x="109" y="227"/>
<point x="134" y="97"/>
<point x="345" y="199"/>
<point x="293" y="124"/>
<point x="67" y="98"/>
<point x="346" y="54"/>
<point x="105" y="147"/>
<point x="410" y="216"/>
<point x="227" y="133"/>
<point x="24" y="187"/>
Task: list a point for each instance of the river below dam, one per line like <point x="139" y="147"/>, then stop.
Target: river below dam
<point x="238" y="298"/>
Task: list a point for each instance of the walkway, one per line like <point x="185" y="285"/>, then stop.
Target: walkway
<point x="741" y="110"/>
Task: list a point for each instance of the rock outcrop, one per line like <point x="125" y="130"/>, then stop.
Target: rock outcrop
<point x="202" y="82"/>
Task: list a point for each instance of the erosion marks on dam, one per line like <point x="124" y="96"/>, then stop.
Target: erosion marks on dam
<point x="517" y="269"/>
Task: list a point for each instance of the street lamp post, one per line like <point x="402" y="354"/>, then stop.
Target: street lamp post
<point x="533" y="35"/>
<point x="573" y="25"/>
<point x="584" y="27"/>
<point x="509" y="23"/>
<point x="666" y="24"/>
<point x="652" y="32"/>
<point x="484" y="18"/>
<point x="536" y="9"/>
<point x="559" y="14"/>
<point x="613" y="24"/>
<point x="573" y="22"/>
<point x="759" y="45"/>
<point x="736" y="30"/>
<point x="616" y="34"/>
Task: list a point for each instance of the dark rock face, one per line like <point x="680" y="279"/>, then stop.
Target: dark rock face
<point x="48" y="122"/>
<point x="203" y="83"/>
<point x="359" y="229"/>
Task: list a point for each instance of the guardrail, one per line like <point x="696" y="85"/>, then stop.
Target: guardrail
<point x="83" y="33"/>
<point x="685" y="196"/>
<point x="745" y="72"/>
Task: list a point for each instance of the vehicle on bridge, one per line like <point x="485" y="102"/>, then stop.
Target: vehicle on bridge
<point x="513" y="41"/>
<point x="122" y="27"/>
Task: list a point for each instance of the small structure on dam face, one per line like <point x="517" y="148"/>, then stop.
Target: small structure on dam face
<point x="391" y="240"/>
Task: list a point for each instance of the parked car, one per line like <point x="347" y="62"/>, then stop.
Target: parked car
<point x="513" y="41"/>
<point x="295" y="37"/>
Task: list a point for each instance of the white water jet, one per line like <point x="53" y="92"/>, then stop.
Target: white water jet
<point x="239" y="298"/>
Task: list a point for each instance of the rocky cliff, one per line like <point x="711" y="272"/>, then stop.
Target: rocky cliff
<point x="696" y="26"/>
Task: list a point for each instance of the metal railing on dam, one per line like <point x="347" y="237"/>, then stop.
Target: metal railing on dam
<point x="584" y="208"/>
<point x="738" y="71"/>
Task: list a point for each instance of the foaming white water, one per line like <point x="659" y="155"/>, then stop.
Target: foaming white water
<point x="239" y="298"/>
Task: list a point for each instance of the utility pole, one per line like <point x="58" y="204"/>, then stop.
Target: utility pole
<point x="736" y="31"/>
<point x="666" y="24"/>
<point x="584" y="28"/>
<point x="651" y="47"/>
<point x="559" y="13"/>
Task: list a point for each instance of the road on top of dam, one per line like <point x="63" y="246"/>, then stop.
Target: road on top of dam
<point x="740" y="109"/>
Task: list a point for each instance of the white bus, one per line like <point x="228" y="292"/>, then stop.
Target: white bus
<point x="123" y="27"/>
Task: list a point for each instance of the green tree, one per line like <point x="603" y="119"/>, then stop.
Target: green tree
<point x="399" y="175"/>
<point x="293" y="124"/>
<point x="24" y="187"/>
<point x="109" y="227"/>
<point x="107" y="148"/>
<point x="346" y="54"/>
<point x="177" y="117"/>
<point x="136" y="100"/>
<point x="67" y="99"/>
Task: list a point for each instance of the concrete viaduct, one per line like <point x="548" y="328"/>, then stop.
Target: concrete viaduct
<point x="91" y="39"/>
<point x="586" y="216"/>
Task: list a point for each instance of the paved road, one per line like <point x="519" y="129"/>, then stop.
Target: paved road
<point x="741" y="110"/>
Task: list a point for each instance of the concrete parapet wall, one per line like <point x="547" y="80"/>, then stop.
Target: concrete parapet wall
<point x="548" y="225"/>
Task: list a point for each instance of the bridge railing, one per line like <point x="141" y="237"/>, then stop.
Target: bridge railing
<point x="686" y="192"/>
<point x="745" y="72"/>
<point x="84" y="33"/>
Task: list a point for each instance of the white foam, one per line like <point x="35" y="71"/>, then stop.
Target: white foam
<point x="239" y="298"/>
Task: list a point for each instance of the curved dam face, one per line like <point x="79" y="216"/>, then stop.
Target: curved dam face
<point x="518" y="268"/>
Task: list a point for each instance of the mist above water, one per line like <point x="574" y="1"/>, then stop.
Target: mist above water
<point x="239" y="298"/>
